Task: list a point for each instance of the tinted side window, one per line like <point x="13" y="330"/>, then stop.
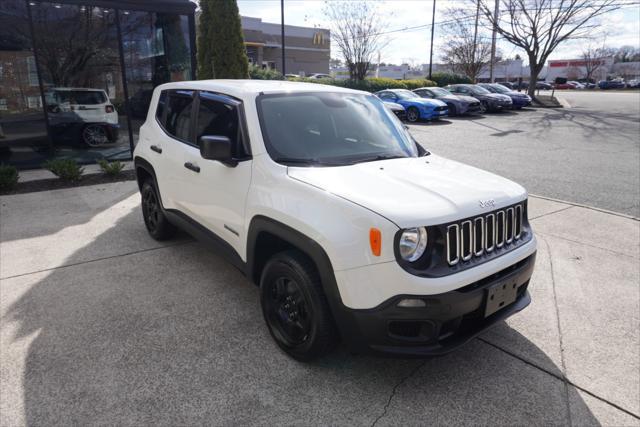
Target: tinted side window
<point x="178" y="123"/>
<point x="162" y="102"/>
<point x="218" y="119"/>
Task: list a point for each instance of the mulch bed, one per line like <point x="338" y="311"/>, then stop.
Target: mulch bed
<point x="57" y="183"/>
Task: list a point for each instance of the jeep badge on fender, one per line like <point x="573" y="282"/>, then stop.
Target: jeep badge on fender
<point x="349" y="227"/>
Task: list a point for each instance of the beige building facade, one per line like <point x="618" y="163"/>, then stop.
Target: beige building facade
<point x="307" y="49"/>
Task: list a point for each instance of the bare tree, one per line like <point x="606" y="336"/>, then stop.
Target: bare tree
<point x="463" y="52"/>
<point x="627" y="54"/>
<point x="356" y="29"/>
<point x="539" y="26"/>
<point x="594" y="60"/>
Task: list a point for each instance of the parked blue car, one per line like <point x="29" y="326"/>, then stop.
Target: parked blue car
<point x="611" y="84"/>
<point x="416" y="108"/>
<point x="518" y="99"/>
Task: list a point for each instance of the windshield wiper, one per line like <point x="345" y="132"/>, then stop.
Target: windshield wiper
<point x="378" y="157"/>
<point x="293" y="161"/>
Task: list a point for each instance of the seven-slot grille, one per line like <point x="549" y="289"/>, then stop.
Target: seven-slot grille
<point x="473" y="237"/>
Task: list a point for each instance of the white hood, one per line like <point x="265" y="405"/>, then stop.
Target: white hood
<point x="415" y="191"/>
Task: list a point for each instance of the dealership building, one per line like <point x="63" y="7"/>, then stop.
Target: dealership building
<point x="76" y="76"/>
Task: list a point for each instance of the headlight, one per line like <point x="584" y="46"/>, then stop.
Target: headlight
<point x="412" y="244"/>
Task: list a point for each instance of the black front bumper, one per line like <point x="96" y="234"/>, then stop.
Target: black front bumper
<point x="448" y="320"/>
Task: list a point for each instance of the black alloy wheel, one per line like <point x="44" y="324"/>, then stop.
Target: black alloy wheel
<point x="289" y="314"/>
<point x="154" y="219"/>
<point x="295" y="307"/>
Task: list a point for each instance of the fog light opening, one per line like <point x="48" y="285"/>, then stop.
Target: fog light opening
<point x="412" y="303"/>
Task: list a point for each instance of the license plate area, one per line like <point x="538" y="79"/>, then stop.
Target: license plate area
<point x="500" y="295"/>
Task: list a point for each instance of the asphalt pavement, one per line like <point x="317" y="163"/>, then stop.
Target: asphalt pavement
<point x="588" y="153"/>
<point x="100" y="324"/>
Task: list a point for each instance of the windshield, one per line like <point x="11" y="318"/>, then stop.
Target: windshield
<point x="499" y="88"/>
<point x="478" y="90"/>
<point x="406" y="94"/>
<point x="439" y="91"/>
<point x="80" y="97"/>
<point x="331" y="129"/>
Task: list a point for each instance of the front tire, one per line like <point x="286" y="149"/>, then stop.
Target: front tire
<point x="154" y="218"/>
<point x="413" y="115"/>
<point x="295" y="307"/>
<point x="452" y="110"/>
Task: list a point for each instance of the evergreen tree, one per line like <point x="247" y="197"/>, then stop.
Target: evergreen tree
<point x="221" y="51"/>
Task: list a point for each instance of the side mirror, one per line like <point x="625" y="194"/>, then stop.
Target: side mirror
<point x="213" y="147"/>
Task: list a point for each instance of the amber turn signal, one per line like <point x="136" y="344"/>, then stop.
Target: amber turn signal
<point x="375" y="240"/>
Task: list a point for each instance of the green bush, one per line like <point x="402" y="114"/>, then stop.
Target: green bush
<point x="416" y="83"/>
<point x="371" y="84"/>
<point x="443" y="79"/>
<point x="65" y="169"/>
<point x="8" y="177"/>
<point x="259" y="73"/>
<point x="111" y="168"/>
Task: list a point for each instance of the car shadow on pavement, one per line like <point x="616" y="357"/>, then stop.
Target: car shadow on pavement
<point x="438" y="122"/>
<point x="175" y="336"/>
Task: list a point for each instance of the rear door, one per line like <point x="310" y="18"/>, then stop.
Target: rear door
<point x="168" y="150"/>
<point x="216" y="193"/>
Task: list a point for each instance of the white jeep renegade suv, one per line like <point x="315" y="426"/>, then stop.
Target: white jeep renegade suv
<point x="351" y="229"/>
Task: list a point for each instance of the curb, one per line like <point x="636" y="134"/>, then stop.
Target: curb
<point x="579" y="205"/>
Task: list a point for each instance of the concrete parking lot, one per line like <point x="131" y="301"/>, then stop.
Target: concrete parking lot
<point x="100" y="324"/>
<point x="588" y="153"/>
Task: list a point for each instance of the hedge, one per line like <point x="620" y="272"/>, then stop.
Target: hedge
<point x="372" y="84"/>
<point x="259" y="73"/>
<point x="444" y="79"/>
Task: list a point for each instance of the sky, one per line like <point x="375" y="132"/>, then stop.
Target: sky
<point x="622" y="27"/>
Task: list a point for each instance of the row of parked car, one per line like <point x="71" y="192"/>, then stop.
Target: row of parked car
<point x="431" y="103"/>
<point x="572" y="84"/>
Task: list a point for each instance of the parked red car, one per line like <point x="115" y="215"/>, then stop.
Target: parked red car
<point x="564" y="86"/>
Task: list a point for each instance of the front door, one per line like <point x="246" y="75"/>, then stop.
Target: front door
<point x="216" y="193"/>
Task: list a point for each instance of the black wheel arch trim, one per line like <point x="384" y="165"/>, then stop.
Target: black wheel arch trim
<point x="309" y="247"/>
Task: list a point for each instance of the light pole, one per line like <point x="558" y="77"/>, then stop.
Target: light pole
<point x="493" y="41"/>
<point x="282" y="34"/>
<point x="475" y="37"/>
<point x="433" y="24"/>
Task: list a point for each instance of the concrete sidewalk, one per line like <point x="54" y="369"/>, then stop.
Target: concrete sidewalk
<point x="100" y="324"/>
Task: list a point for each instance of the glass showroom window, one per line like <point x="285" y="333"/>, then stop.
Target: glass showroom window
<point x="79" y="62"/>
<point x="156" y="50"/>
<point x="23" y="130"/>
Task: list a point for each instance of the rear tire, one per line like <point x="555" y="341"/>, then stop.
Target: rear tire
<point x="95" y="135"/>
<point x="155" y="220"/>
<point x="295" y="307"/>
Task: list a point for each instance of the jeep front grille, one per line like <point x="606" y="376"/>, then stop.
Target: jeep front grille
<point x="473" y="237"/>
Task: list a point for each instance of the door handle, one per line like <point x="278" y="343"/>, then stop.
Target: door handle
<point x="156" y="149"/>
<point x="192" y="167"/>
